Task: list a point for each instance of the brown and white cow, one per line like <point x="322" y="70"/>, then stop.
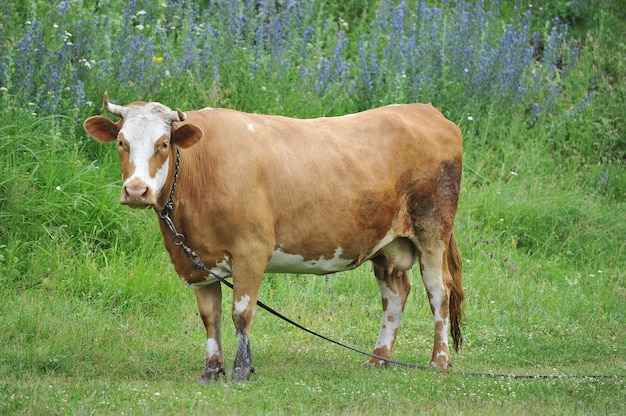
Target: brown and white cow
<point x="269" y="194"/>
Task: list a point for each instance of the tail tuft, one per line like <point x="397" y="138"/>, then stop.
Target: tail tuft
<point x="456" y="292"/>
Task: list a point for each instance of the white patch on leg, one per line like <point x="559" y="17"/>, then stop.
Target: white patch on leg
<point x="432" y="275"/>
<point x="391" y="317"/>
<point x="212" y="348"/>
<point x="443" y="335"/>
<point x="242" y="304"/>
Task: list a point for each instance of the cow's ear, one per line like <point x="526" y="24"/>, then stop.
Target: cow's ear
<point x="101" y="128"/>
<point x="186" y="135"/>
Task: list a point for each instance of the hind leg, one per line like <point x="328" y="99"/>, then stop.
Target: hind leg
<point x="395" y="286"/>
<point x="437" y="280"/>
<point x="210" y="306"/>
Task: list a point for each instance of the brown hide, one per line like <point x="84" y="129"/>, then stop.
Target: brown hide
<point x="311" y="186"/>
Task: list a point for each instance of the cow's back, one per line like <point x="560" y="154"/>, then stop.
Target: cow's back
<point x="368" y="147"/>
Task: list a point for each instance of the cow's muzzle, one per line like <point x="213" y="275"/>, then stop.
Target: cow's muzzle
<point x="137" y="195"/>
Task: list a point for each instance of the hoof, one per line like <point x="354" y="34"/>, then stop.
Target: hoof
<point x="241" y="374"/>
<point x="211" y="375"/>
<point x="375" y="362"/>
<point x="441" y="359"/>
<point x="441" y="363"/>
<point x="439" y="368"/>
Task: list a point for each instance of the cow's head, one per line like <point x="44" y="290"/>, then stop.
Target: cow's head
<point x="146" y="143"/>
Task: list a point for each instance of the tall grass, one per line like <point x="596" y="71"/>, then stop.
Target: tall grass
<point x="93" y="318"/>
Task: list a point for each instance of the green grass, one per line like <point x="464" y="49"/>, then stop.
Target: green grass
<point x="94" y="320"/>
<point x="134" y="344"/>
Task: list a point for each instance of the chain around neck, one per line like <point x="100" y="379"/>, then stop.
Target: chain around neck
<point x="170" y="202"/>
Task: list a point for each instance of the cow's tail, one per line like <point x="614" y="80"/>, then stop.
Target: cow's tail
<point x="456" y="292"/>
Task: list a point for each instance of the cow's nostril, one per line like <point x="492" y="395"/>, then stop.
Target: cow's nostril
<point x="137" y="192"/>
<point x="138" y="195"/>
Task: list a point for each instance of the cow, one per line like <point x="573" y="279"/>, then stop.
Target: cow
<point x="258" y="194"/>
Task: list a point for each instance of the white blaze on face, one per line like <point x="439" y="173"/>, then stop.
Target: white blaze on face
<point x="142" y="129"/>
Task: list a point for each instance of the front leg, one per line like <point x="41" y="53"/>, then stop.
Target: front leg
<point x="245" y="295"/>
<point x="210" y="306"/>
<point x="243" y="369"/>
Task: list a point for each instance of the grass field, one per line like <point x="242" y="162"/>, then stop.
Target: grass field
<point x="94" y="320"/>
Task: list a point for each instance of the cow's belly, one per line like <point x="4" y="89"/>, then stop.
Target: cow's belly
<point x="282" y="262"/>
<point x="399" y="254"/>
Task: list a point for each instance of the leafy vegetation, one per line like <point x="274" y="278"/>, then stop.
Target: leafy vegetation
<point x="93" y="318"/>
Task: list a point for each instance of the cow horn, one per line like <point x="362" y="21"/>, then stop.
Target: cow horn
<point x="112" y="108"/>
<point x="177" y="116"/>
<point x="181" y="116"/>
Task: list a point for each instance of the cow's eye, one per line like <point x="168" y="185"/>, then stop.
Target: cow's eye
<point x="164" y="145"/>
